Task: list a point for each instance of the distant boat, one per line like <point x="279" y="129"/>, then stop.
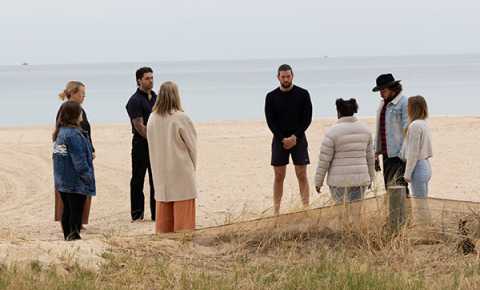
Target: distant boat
<point x="25" y="63"/>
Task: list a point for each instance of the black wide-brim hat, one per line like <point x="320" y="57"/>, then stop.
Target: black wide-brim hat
<point x="385" y="81"/>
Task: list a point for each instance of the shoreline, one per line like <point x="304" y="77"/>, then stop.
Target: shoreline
<point x="226" y="122"/>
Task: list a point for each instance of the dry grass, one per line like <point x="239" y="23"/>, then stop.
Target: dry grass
<point x="359" y="253"/>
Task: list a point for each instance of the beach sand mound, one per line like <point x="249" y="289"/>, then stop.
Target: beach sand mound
<point x="234" y="180"/>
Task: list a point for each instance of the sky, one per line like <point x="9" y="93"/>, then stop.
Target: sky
<point x="91" y="31"/>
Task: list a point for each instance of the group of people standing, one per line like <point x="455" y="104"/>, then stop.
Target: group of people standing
<point x="164" y="144"/>
<point x="349" y="155"/>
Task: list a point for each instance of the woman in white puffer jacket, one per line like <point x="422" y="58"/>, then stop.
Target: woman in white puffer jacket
<point x="346" y="155"/>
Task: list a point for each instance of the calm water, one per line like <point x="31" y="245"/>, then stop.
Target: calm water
<point x="235" y="90"/>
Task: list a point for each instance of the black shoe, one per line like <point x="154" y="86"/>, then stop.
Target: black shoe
<point x="137" y="218"/>
<point x="73" y="237"/>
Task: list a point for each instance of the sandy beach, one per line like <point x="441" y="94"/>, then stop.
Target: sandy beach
<point x="234" y="178"/>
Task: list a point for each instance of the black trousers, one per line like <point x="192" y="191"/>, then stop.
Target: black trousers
<point x="73" y="204"/>
<point x="140" y="166"/>
<point x="393" y="172"/>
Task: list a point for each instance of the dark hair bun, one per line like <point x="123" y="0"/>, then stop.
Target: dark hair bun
<point x="346" y="108"/>
<point x="353" y="101"/>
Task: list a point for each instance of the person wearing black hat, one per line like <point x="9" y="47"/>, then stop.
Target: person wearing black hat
<point x="392" y="122"/>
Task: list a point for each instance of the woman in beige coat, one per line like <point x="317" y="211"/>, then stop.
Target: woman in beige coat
<point x="346" y="155"/>
<point x="172" y="141"/>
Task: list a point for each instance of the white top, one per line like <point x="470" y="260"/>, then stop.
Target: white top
<point x="346" y="155"/>
<point x="417" y="145"/>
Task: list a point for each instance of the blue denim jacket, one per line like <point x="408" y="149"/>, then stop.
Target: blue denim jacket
<point x="396" y="122"/>
<point x="72" y="163"/>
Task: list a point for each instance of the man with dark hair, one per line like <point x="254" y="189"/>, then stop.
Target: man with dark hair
<point x="139" y="108"/>
<point x="392" y="121"/>
<point x="288" y="110"/>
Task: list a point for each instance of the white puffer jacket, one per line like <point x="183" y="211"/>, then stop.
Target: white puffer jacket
<point x="347" y="155"/>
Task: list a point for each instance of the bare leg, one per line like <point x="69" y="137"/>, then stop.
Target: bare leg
<point x="301" y="172"/>
<point x="280" y="172"/>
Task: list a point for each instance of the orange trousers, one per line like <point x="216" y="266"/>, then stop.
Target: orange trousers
<point x="175" y="216"/>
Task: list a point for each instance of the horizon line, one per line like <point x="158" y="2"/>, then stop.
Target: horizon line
<point x="26" y="63"/>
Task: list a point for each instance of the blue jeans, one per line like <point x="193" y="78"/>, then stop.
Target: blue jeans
<point x="347" y="194"/>
<point x="420" y="178"/>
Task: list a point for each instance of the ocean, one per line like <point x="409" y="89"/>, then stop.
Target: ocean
<point x="235" y="90"/>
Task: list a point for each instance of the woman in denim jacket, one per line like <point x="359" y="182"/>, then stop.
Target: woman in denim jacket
<point x="75" y="91"/>
<point x="73" y="168"/>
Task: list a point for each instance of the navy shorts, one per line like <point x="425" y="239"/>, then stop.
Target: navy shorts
<point x="281" y="156"/>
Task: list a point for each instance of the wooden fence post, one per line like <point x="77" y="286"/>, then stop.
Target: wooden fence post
<point x="396" y="206"/>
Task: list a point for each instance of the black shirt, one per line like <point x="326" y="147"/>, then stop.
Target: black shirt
<point x="140" y="106"/>
<point x="288" y="113"/>
<point x="84" y="125"/>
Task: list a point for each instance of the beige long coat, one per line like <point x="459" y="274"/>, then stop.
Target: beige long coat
<point x="172" y="143"/>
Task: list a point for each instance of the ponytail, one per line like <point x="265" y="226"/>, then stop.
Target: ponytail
<point x="71" y="88"/>
<point x="63" y="95"/>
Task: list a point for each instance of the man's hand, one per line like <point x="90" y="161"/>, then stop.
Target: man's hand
<point x="407" y="179"/>
<point x="140" y="127"/>
<point x="94" y="155"/>
<point x="290" y="142"/>
<point x="319" y="189"/>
